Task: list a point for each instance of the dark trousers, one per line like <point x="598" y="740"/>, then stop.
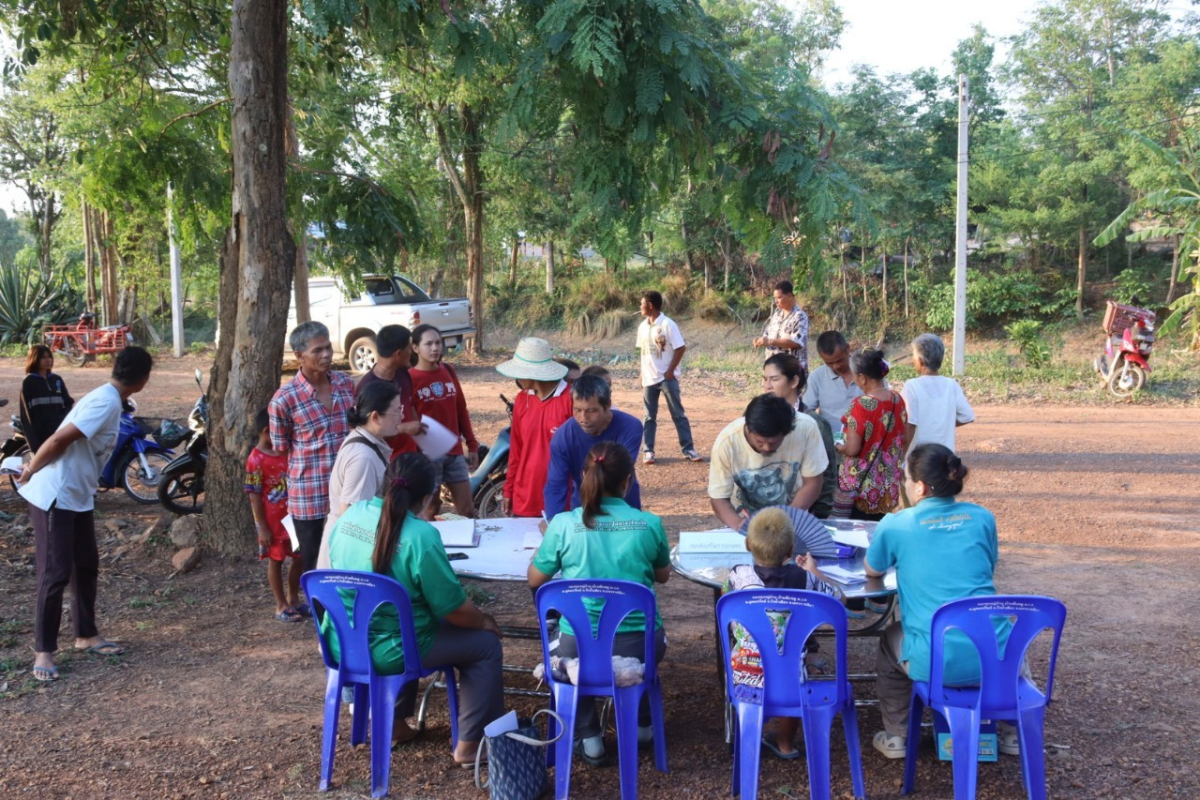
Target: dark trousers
<point x="477" y="658"/>
<point x="65" y="543"/>
<point x="309" y="532"/>
<point x="683" y="428"/>
<point x="587" y="722"/>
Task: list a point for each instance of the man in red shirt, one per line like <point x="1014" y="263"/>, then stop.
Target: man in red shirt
<point x="393" y="347"/>
<point x="543" y="404"/>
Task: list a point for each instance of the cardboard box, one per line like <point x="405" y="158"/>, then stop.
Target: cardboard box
<point x="988" y="749"/>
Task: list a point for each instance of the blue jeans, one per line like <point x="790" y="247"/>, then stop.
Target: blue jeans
<point x="674" y="404"/>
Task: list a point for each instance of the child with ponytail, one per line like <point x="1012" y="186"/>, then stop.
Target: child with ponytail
<point x="386" y="535"/>
<point x="606" y="538"/>
<point x="872" y="468"/>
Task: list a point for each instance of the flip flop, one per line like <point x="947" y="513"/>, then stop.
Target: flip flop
<point x="303" y="610"/>
<point x="45" y="674"/>
<point x="104" y="649"/>
<point x="401" y="741"/>
<point x="471" y="764"/>
<point x="289" y="615"/>
<point x="769" y="742"/>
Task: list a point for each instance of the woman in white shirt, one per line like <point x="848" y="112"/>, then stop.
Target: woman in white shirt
<point x="936" y="405"/>
<point x="363" y="457"/>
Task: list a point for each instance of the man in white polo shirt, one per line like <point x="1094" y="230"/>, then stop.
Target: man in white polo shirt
<point x="662" y="347"/>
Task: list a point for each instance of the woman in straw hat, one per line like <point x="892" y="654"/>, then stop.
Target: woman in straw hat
<point x="543" y="404"/>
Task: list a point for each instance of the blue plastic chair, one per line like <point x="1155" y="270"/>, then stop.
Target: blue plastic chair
<point x="784" y="692"/>
<point x="1003" y="693"/>
<point x="596" y="673"/>
<point x="371" y="591"/>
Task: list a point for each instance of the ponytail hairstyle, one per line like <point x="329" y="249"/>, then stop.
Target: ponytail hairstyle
<point x="376" y="397"/>
<point x="936" y="466"/>
<point x="605" y="471"/>
<point x="870" y="363"/>
<point x="406" y="484"/>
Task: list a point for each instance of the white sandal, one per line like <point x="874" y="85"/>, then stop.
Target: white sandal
<point x="890" y="746"/>
<point x="1008" y="740"/>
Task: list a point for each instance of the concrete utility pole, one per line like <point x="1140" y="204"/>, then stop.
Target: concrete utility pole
<point x="176" y="282"/>
<point x="960" y="238"/>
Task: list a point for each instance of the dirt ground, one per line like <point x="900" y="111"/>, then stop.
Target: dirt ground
<point x="216" y="699"/>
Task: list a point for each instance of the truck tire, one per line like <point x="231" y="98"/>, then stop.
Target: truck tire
<point x="363" y="355"/>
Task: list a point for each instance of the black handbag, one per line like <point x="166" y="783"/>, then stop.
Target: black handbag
<point x="516" y="761"/>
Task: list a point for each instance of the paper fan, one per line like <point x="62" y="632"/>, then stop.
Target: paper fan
<point x="811" y="535"/>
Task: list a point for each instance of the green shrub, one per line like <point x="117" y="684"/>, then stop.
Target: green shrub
<point x="29" y="301"/>
<point x="1130" y="282"/>
<point x="1027" y="333"/>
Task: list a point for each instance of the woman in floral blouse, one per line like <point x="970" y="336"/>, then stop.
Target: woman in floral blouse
<point x="872" y="469"/>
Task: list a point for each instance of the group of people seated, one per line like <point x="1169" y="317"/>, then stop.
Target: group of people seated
<point x="831" y="445"/>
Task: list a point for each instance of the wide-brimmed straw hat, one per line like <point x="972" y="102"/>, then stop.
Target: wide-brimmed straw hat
<point x="533" y="361"/>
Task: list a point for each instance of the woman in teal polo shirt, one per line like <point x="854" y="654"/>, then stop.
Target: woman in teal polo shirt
<point x="385" y="535"/>
<point x="942" y="550"/>
<point x="606" y="538"/>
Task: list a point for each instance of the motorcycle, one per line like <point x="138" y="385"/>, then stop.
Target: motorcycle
<point x="136" y="465"/>
<point x="181" y="490"/>
<point x="487" y="481"/>
<point x="1129" y="340"/>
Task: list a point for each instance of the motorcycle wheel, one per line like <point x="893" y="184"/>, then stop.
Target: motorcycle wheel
<point x="72" y="351"/>
<point x="182" y="493"/>
<point x="139" y="484"/>
<point x="1126" y="378"/>
<point x="489" y="500"/>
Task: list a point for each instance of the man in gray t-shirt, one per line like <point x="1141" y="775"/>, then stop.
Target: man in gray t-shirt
<point x="831" y="388"/>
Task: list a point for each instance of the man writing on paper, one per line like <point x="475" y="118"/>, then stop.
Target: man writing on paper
<point x="771" y="456"/>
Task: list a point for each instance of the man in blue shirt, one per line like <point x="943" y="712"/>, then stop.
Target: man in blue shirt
<point x="594" y="421"/>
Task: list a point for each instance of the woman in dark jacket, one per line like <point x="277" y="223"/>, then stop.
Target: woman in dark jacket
<point x="45" y="400"/>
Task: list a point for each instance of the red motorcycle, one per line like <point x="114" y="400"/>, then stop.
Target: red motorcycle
<point x="83" y="340"/>
<point x="1129" y="338"/>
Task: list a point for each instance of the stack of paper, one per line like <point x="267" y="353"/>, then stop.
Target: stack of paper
<point x="857" y="537"/>
<point x="722" y="540"/>
<point x="843" y="576"/>
<point x="457" y="533"/>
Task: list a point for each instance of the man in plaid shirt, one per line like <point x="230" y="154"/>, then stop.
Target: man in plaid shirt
<point x="308" y="422"/>
<point x="787" y="329"/>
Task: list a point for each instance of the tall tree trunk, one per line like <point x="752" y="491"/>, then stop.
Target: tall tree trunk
<point x="906" y="277"/>
<point x="300" y="280"/>
<point x="89" y="259"/>
<point x="549" y="266"/>
<point x="108" y="278"/>
<point x="512" y="260"/>
<point x="256" y="266"/>
<point x="1174" y="269"/>
<point x="1081" y="275"/>
<point x="469" y="188"/>
<point x="46" y="231"/>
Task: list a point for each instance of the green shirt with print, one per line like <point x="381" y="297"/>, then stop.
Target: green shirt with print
<point x="626" y="545"/>
<point x="421" y="567"/>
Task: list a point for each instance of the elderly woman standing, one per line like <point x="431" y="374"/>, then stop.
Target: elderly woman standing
<point x="363" y="457"/>
<point x="45" y="400"/>
<point x="936" y="405"/>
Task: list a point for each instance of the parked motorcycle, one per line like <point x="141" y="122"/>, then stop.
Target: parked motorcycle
<point x="1129" y="340"/>
<point x="181" y="490"/>
<point x="487" y="481"/>
<point x="137" y="462"/>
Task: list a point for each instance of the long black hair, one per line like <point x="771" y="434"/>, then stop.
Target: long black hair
<point x="406" y="484"/>
<point x="607" y="466"/>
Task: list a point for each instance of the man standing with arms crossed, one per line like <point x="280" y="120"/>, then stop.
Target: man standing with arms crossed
<point x="662" y="348"/>
<point x="787" y="329"/>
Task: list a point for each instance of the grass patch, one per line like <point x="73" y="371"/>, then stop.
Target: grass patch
<point x="143" y="626"/>
<point x="9" y="629"/>
<point x="145" y="602"/>
<point x="478" y="595"/>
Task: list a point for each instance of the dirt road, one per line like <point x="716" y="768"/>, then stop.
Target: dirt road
<point x="1096" y="506"/>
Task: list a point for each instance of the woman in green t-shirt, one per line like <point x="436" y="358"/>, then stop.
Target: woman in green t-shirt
<point x="385" y="535"/>
<point x="605" y="538"/>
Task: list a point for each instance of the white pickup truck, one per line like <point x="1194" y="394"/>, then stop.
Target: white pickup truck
<point x="353" y="318"/>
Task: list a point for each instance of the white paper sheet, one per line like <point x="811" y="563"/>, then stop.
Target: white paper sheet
<point x="457" y="533"/>
<point x="437" y="439"/>
<point x="533" y="539"/>
<point x="843" y="576"/>
<point x="721" y="540"/>
<point x="12" y="466"/>
<point x="857" y="538"/>
<point x="289" y="525"/>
